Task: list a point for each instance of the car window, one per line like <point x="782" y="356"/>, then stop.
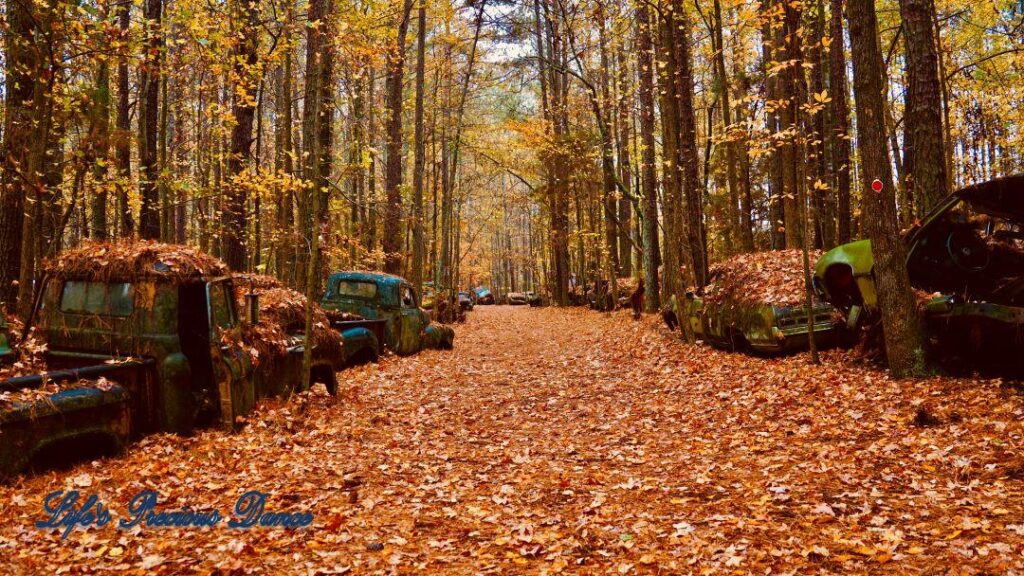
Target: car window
<point x="354" y="289"/>
<point x="408" y="297"/>
<point x="222" y="314"/>
<point x="100" y="298"/>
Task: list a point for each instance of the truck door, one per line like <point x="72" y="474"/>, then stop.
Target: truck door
<point x="232" y="367"/>
<point x="410" y="322"/>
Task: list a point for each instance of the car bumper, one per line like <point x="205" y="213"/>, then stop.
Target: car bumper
<point x="797" y="338"/>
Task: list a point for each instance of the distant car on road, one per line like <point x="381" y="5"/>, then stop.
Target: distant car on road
<point x="517" y="299"/>
<point x="465" y="301"/>
<point x="484" y="297"/>
<point x="534" y="299"/>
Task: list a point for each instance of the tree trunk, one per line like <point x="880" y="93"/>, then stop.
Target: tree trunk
<point x="840" y="115"/>
<point x="903" y="337"/>
<point x="696" y="235"/>
<point x="649" y="183"/>
<point x="420" y="146"/>
<point x="99" y="146"/>
<point x="149" y="96"/>
<point x="924" y="160"/>
<point x="395" y="65"/>
<point x="123" y="138"/>
<point x="23" y="64"/>
<point x="245" y="77"/>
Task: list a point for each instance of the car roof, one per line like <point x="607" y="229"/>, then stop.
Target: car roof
<point x="1002" y="197"/>
<point x="360" y="276"/>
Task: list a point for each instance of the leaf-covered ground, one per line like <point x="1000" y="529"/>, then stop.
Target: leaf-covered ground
<point x="568" y="441"/>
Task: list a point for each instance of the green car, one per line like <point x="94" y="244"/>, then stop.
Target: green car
<point x="730" y="313"/>
<point x="376" y="296"/>
<point x="969" y="253"/>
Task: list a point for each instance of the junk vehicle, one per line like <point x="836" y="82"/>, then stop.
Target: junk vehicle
<point x="387" y="304"/>
<point x="517" y="299"/>
<point x="484" y="296"/>
<point x="282" y="313"/>
<point x="465" y="301"/>
<point x="141" y="337"/>
<point x="756" y="302"/>
<point x="968" y="255"/>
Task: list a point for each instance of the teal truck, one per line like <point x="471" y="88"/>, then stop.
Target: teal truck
<point x="142" y="339"/>
<point x="390" y="304"/>
<point x="967" y="254"/>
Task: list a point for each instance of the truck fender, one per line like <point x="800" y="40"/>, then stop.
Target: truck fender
<point x="361" y="345"/>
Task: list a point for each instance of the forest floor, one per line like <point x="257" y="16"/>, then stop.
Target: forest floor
<point x="570" y="441"/>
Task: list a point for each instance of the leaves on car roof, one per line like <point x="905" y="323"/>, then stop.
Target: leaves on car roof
<point x="775" y="277"/>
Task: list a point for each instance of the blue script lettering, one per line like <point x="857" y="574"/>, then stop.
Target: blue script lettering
<point x="65" y="513"/>
<point x="250" y="511"/>
<point x="142" y="509"/>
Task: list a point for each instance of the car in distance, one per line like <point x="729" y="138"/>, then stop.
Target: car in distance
<point x="517" y="299"/>
<point x="756" y="303"/>
<point x="465" y="301"/>
<point x="967" y="254"/>
<point x="483" y="296"/>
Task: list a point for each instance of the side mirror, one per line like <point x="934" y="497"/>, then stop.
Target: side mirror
<point x="252" y="308"/>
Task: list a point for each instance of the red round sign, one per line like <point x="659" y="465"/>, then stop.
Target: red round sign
<point x="876" y="185"/>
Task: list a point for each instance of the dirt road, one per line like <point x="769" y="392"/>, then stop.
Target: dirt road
<point x="569" y="441"/>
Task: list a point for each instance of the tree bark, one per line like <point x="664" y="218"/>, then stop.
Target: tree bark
<point x="840" y="117"/>
<point x="245" y="77"/>
<point x="122" y="139"/>
<point x="904" y="344"/>
<point x="695" y="232"/>
<point x="924" y="157"/>
<point x="420" y="151"/>
<point x="395" y="66"/>
<point x="649" y="183"/>
<point x="149" y="96"/>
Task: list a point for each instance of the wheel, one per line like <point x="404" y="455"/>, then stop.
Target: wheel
<point x="325" y="375"/>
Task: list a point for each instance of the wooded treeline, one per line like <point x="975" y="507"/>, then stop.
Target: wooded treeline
<point x="515" y="144"/>
<point x="239" y="127"/>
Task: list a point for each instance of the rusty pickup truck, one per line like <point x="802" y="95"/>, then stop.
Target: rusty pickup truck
<point x="140" y="339"/>
<point x="389" y="306"/>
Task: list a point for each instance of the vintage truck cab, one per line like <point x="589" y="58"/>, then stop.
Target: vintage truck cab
<point x="144" y="340"/>
<point x="383" y="297"/>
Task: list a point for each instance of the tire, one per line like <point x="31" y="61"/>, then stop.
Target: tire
<point x="325" y="375"/>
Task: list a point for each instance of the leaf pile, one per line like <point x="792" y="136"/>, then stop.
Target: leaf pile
<point x="129" y="260"/>
<point x="29" y="354"/>
<point x="282" y="315"/>
<point x="578" y="443"/>
<point x="774" y="277"/>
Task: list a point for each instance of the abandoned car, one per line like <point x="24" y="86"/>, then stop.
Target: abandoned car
<point x="141" y="337"/>
<point x="483" y="296"/>
<point x="968" y="253"/>
<point x="465" y="301"/>
<point x="756" y="302"/>
<point x="517" y="299"/>
<point x="392" y="299"/>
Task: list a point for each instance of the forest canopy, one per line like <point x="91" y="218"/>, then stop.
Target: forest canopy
<point x="492" y="142"/>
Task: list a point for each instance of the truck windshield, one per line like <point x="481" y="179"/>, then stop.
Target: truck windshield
<point x="101" y="298"/>
<point x="354" y="289"/>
